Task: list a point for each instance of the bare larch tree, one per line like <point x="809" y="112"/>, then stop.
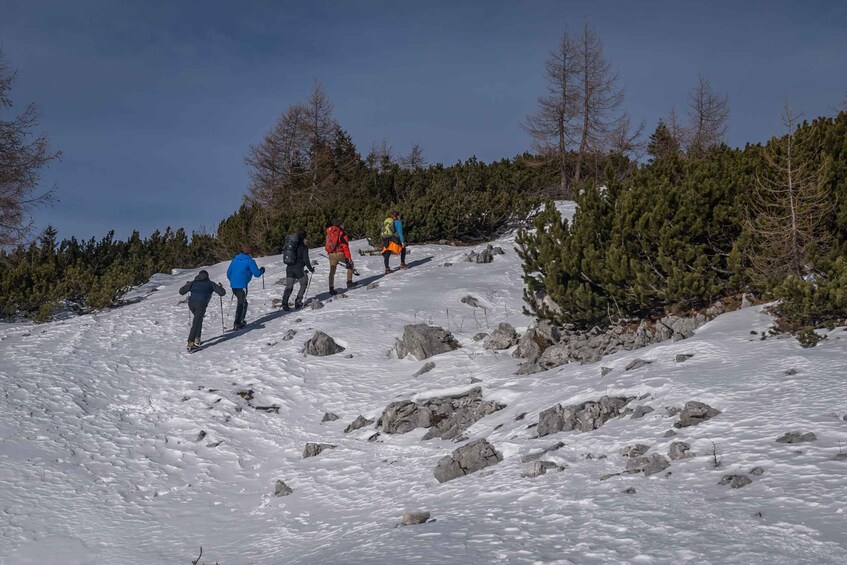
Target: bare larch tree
<point x="22" y="155"/>
<point x="791" y="207"/>
<point x="708" y="114"/>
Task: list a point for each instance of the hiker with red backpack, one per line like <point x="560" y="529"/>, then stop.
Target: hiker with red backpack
<point x="337" y="251"/>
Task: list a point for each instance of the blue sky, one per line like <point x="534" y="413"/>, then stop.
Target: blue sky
<point x="154" y="104"/>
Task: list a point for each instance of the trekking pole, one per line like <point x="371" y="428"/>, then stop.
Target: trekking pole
<point x="223" y="328"/>
<point x="308" y="282"/>
<point x="263" y="281"/>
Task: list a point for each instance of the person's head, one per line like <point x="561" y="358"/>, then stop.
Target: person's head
<point x="203" y="275"/>
<point x="247" y="249"/>
<point x="338" y="223"/>
<point x="394" y="214"/>
<point x="301" y="236"/>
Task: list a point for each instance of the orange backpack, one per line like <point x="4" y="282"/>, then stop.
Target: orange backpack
<point x="334" y="239"/>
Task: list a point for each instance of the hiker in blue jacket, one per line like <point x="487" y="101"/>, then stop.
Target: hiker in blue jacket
<point x="201" y="289"/>
<point x="240" y="271"/>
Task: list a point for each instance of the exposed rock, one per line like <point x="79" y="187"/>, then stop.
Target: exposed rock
<point x="757" y="471"/>
<point x="583" y="417"/>
<point x="530" y="457"/>
<point x="746" y="300"/>
<point x="322" y="345"/>
<point x="373" y="285"/>
<point x="498" y="250"/>
<point x="413" y="518"/>
<point x="428" y="366"/>
<point x="348" y="356"/>
<point x="609" y="476"/>
<point x="467" y="459"/>
<point x="313" y="449"/>
<point x="694" y="413"/>
<point x="484" y="256"/>
<point x="636" y="450"/>
<point x="531" y="345"/>
<point x="669" y="433"/>
<point x="480" y="336"/>
<point x="329" y="417"/>
<point x="282" y="489"/>
<point x="447" y="264"/>
<point x="649" y="465"/>
<point x="636" y="364"/>
<point x="605" y="371"/>
<point x="840" y="457"/>
<point x="358" y="423"/>
<point x="316" y="304"/>
<point x="671" y="411"/>
<point x="554" y="356"/>
<point x="538" y="468"/>
<point x="682" y="357"/>
<point x="676" y="328"/>
<point x="200" y="435"/>
<point x="679" y="450"/>
<point x="630" y="490"/>
<point x="640" y="412"/>
<point x="475" y="380"/>
<point x="797" y="437"/>
<point x="790" y="372"/>
<point x="735" y="481"/>
<point x="447" y="416"/>
<point x="423" y="341"/>
<point x="471" y="301"/>
<point x="503" y="337"/>
<point x="374" y="437"/>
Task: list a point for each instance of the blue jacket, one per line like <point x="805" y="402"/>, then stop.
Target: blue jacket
<point x="241" y="270"/>
<point x="398" y="229"/>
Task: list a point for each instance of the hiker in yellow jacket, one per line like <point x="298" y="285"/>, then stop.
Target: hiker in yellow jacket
<point x="393" y="241"/>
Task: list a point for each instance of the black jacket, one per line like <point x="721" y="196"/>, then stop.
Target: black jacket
<point x="297" y="270"/>
<point x="201" y="288"/>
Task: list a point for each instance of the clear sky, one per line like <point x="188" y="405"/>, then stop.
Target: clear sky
<point x="155" y="103"/>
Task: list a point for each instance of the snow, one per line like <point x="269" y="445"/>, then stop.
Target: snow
<point x="100" y="416"/>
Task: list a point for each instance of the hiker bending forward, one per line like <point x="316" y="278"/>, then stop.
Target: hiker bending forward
<point x="201" y="289"/>
<point x="295" y="271"/>
<point x="338" y="251"/>
<point x="240" y="271"/>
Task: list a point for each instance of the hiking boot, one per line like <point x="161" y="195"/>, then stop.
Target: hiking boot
<point x="388" y="271"/>
<point x="286" y="307"/>
<point x="197" y="342"/>
<point x="333" y="292"/>
<point x="298" y="304"/>
<point x="235" y="326"/>
<point x="404" y="266"/>
<point x="192" y="347"/>
<point x="352" y="284"/>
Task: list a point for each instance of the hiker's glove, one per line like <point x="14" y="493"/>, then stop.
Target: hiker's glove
<point x="349" y="263"/>
<point x="262" y="270"/>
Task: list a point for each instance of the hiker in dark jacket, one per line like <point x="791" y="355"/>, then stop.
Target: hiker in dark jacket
<point x="296" y="272"/>
<point x="201" y="289"/>
<point x="240" y="271"/>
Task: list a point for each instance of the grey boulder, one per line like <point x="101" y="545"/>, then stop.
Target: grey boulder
<point x="648" y="465"/>
<point x="735" y="481"/>
<point x="282" y="489"/>
<point x="694" y="413"/>
<point x="582" y="417"/>
<point x="679" y="450"/>
<point x="322" y="345"/>
<point x="465" y="460"/>
<point x="424" y="341"/>
<point x="797" y="437"/>
<point x="358" y="423"/>
<point x="313" y="449"/>
<point x="503" y="337"/>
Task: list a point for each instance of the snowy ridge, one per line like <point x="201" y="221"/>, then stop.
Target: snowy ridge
<point x="101" y="459"/>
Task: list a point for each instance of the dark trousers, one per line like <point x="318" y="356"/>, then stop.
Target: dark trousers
<point x="289" y="287"/>
<point x="198" y="310"/>
<point x="241" y="308"/>
<point x="387" y="254"/>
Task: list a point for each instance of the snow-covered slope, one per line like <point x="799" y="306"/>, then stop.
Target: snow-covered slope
<point x="100" y="415"/>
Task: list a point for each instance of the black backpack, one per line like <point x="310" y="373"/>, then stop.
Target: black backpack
<point x="289" y="253"/>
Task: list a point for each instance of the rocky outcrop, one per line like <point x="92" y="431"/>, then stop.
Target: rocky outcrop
<point x="648" y="465"/>
<point x="581" y="417"/>
<point x="503" y="337"/>
<point x="358" y="423"/>
<point x="424" y="341"/>
<point x="446" y="417"/>
<point x="694" y="413"/>
<point x="465" y="460"/>
<point x="486" y="255"/>
<point x="322" y="345"/>
<point x="314" y="449"/>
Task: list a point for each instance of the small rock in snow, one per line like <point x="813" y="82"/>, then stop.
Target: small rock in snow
<point x="348" y="356"/>
<point x="605" y="371"/>
<point x="470" y="301"/>
<point x="694" y="413"/>
<point x="538" y="468"/>
<point x="636" y="363"/>
<point x="681" y="357"/>
<point x="790" y="372"/>
<point x="630" y="490"/>
<point x="289" y="335"/>
<point x="428" y="366"/>
<point x="735" y="481"/>
<point x="413" y="518"/>
<point x="200" y="435"/>
<point x="316" y="304"/>
<point x="669" y="433"/>
<point x="636" y="450"/>
<point x="797" y="437"/>
<point x="373" y="285"/>
<point x="313" y="449"/>
<point x="649" y="465"/>
<point x="358" y="423"/>
<point x="840" y="457"/>
<point x="329" y="417"/>
<point x="757" y="471"/>
<point x="480" y="336"/>
<point x="282" y="489"/>
<point x="679" y="450"/>
<point x="640" y="412"/>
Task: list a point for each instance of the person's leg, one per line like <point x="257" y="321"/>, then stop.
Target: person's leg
<point x="199" y="310"/>
<point x="403" y="257"/>
<point x="304" y="280"/>
<point x="333" y="264"/>
<point x="241" y="308"/>
<point x="289" y="287"/>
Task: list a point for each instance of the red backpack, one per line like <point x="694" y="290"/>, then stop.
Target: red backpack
<point x="334" y="239"/>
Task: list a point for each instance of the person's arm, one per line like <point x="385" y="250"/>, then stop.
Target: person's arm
<point x="306" y="262"/>
<point x="219" y="289"/>
<point x="398" y="229"/>
<point x="254" y="268"/>
<point x="229" y="270"/>
<point x="185" y="288"/>
<point x="345" y="246"/>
